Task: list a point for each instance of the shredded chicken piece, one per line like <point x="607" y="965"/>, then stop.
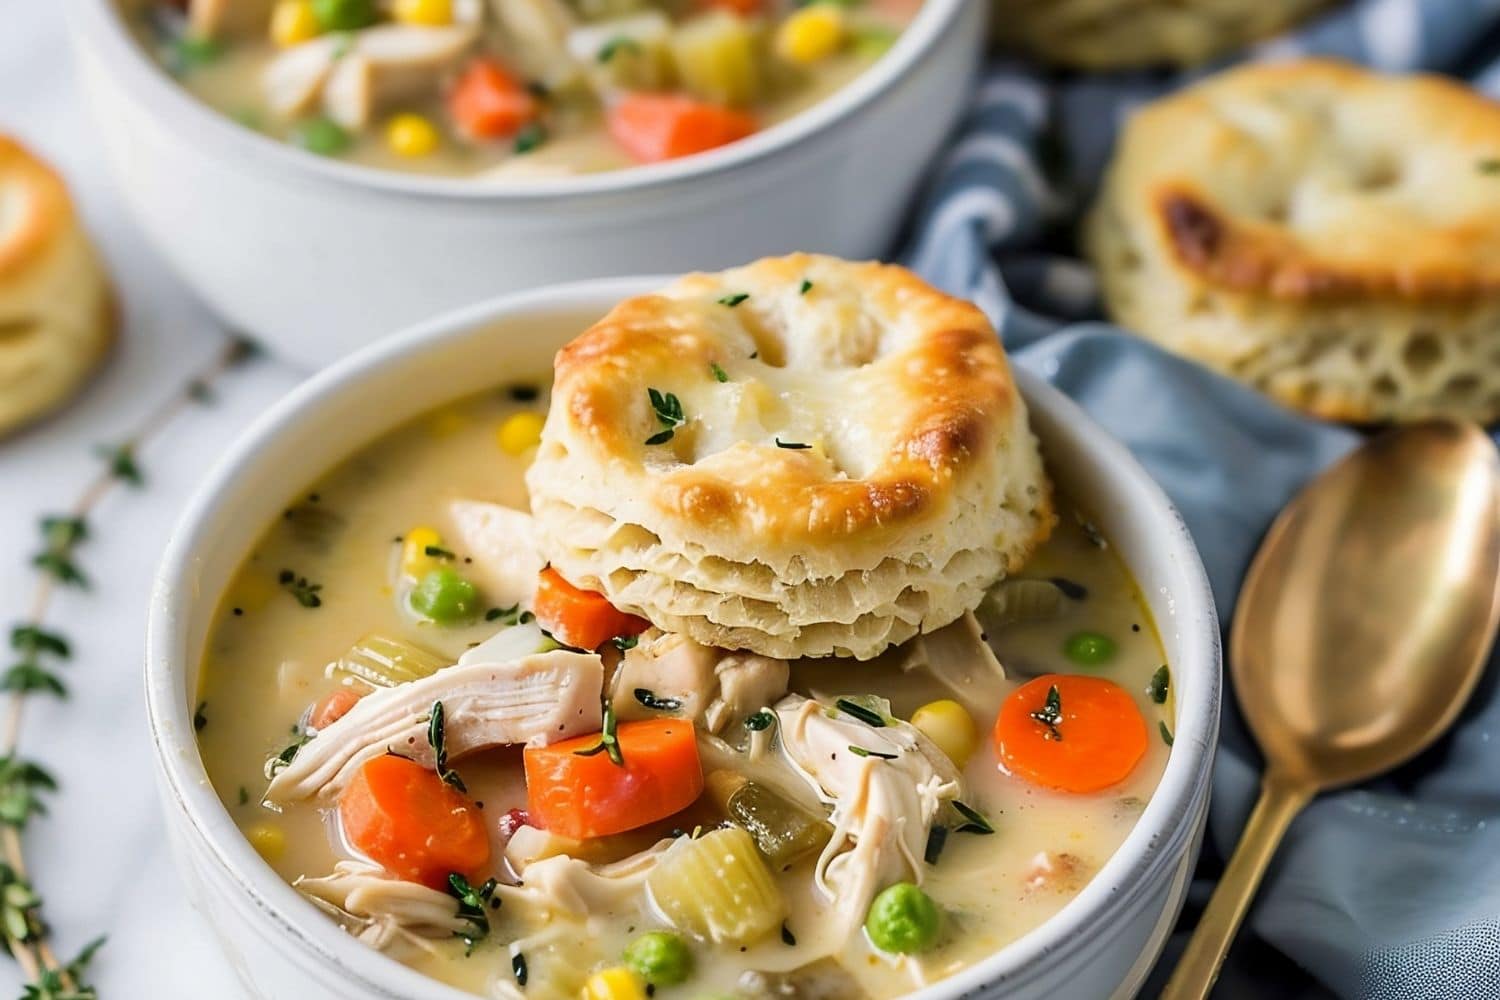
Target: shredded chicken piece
<point x="384" y="912"/>
<point x="534" y="699"/>
<point x="556" y="885"/>
<point x="883" y="806"/>
<point x="959" y="658"/>
<point x="537" y="33"/>
<point x="714" y="687"/>
<point x="358" y="73"/>
<point x="501" y="541"/>
<point x="214" y="19"/>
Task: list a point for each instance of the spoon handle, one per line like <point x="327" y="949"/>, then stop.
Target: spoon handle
<point x="1198" y="968"/>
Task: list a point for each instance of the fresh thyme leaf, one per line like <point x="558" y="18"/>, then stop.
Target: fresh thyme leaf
<point x="287" y="755"/>
<point x="18" y="906"/>
<point x="28" y="676"/>
<point x="937" y="839"/>
<point x="1488" y="166"/>
<point x="790" y="445"/>
<point x="609" y="741"/>
<point x="436" y="739"/>
<point x="1071" y="590"/>
<point x="512" y="615"/>
<point x="1161" y="683"/>
<point x="518" y="968"/>
<point x="21" y="786"/>
<point x="734" y="299"/>
<point x="865" y="715"/>
<point x="760" y="721"/>
<point x="299" y="587"/>
<point x="62" y="532"/>
<point x="198" y="390"/>
<point x="244" y="796"/>
<point x="974" y="821"/>
<point x="661" y="437"/>
<point x="471" y="908"/>
<point x="33" y="639"/>
<point x="719" y="373"/>
<point x="120" y="459"/>
<point x="532" y="135"/>
<point x="523" y="392"/>
<point x="806" y="287"/>
<point x="60" y="566"/>
<point x="67" y="983"/>
<point x="1050" y="714"/>
<point x="625" y="643"/>
<point x="1166" y="734"/>
<point x="787" y="937"/>
<point x="648" y="698"/>
<point x="616" y="45"/>
<point x="199" y="718"/>
<point x="437" y="552"/>
<point x="862" y="752"/>
<point x="668" y="410"/>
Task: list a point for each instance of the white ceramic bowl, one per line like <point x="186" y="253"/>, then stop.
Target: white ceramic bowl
<point x="1099" y="945"/>
<point x="315" y="257"/>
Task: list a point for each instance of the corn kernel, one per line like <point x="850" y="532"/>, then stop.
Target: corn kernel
<point x="293" y="22"/>
<point x="812" y="34"/>
<point x="949" y="725"/>
<point x="618" y="983"/>
<point x="519" y="432"/>
<point x="411" y="135"/>
<point x="415" y="562"/>
<point x="428" y="12"/>
<point x="269" y="841"/>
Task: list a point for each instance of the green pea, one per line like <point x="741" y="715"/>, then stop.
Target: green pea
<point x="903" y="919"/>
<point x="321" y="136"/>
<point x="344" y="15"/>
<point x="1089" y="649"/>
<point x="661" y="957"/>
<point x="445" y="597"/>
<point x="189" y="53"/>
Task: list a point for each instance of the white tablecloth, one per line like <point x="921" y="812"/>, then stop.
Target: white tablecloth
<point x="98" y="858"/>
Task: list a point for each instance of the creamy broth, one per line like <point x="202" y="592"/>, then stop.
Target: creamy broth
<point x="266" y="660"/>
<point x="746" y="70"/>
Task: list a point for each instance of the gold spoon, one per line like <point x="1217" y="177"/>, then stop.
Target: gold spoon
<point x="1364" y="622"/>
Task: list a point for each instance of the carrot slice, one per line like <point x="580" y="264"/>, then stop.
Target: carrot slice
<point x="332" y="707"/>
<point x="655" y="127"/>
<point x="745" y="8"/>
<point x="581" y="797"/>
<point x="580" y="618"/>
<point x="409" y="822"/>
<point x="1094" y="740"/>
<point x="488" y="102"/>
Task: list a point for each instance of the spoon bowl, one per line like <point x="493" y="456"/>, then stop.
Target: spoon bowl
<point x="1363" y="624"/>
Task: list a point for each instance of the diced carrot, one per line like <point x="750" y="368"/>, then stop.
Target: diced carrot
<point x="408" y="821"/>
<point x="1096" y="740"/>
<point x="488" y="102"/>
<point x="332" y="707"/>
<point x="745" y="8"/>
<point x="655" y="127"/>
<point x="580" y="796"/>
<point x="580" y="618"/>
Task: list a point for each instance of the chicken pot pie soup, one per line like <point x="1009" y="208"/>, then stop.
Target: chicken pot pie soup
<point x="515" y="88"/>
<point x="516" y="771"/>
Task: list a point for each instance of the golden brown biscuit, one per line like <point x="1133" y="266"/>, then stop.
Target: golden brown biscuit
<point x="1126" y="34"/>
<point x="853" y="464"/>
<point x="57" y="315"/>
<point x="1324" y="233"/>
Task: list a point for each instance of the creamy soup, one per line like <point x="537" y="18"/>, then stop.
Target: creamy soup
<point x="720" y="895"/>
<point x="514" y="87"/>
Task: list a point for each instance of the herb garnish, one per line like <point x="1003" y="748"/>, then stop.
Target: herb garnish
<point x="523" y="392"/>
<point x="720" y="374"/>
<point x="299" y="587"/>
<point x="863" y="752"/>
<point x="21" y="783"/>
<point x="1489" y="166"/>
<point x="668" y="410"/>
<point x="34" y="642"/>
<point x="937" y="838"/>
<point x="512" y="615"/>
<point x="532" y="135"/>
<point x="1050" y="714"/>
<point x="437" y="739"/>
<point x="1166" y="734"/>
<point x="287" y="755"/>
<point x="974" y="821"/>
<point x="616" y="45"/>
<point x="608" y="742"/>
<point x="471" y="904"/>
<point x="199" y="718"/>
<point x="518" y="968"/>
<point x="760" y="721"/>
<point x="787" y="937"/>
<point x="869" y="718"/>
<point x="121" y="462"/>
<point x="733" y="300"/>
<point x="790" y="445"/>
<point x="1161" y="682"/>
<point x="1071" y="590"/>
<point x="648" y="698"/>
<point x="625" y="643"/>
<point x="437" y="552"/>
<point x="244" y="798"/>
<point x="806" y="287"/>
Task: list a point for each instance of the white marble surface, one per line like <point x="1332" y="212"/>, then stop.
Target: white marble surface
<point x="99" y="858"/>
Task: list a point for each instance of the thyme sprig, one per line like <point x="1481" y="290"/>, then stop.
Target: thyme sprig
<point x="33" y="643"/>
<point x="437" y="738"/>
<point x="1050" y="715"/>
<point x="609" y="742"/>
<point x="668" y="410"/>
<point x="472" y="908"/>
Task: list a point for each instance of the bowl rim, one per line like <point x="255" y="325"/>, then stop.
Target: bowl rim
<point x="1165" y="823"/>
<point x="103" y="23"/>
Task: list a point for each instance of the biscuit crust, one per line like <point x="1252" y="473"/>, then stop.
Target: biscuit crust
<point x="846" y="428"/>
<point x="1325" y="233"/>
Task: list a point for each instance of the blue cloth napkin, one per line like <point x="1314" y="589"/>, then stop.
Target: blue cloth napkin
<point x="1390" y="890"/>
